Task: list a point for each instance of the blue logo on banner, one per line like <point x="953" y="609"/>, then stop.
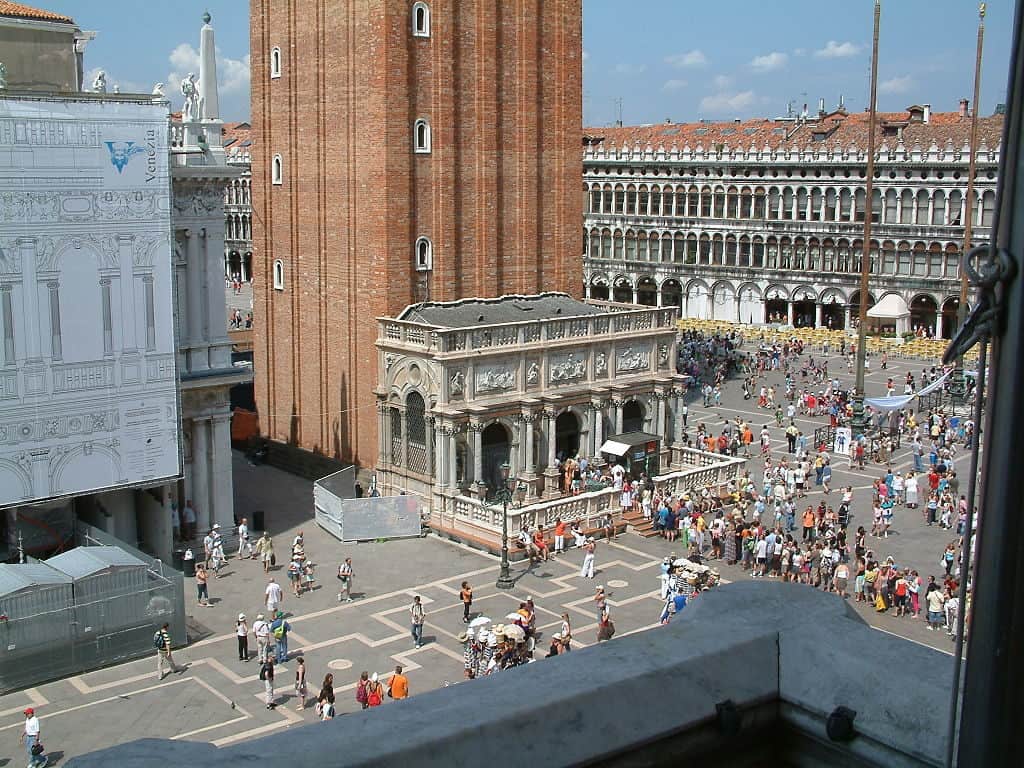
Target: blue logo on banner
<point x="121" y="152"/>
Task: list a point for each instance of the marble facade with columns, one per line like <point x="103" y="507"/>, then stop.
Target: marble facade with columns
<point x="456" y="402"/>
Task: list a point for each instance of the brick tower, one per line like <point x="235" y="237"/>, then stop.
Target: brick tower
<point x="403" y="151"/>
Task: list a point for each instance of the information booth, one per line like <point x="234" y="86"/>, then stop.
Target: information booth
<point x="638" y="452"/>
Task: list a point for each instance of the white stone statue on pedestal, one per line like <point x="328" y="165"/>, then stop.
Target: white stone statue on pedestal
<point x="99" y="84"/>
<point x="190" y="110"/>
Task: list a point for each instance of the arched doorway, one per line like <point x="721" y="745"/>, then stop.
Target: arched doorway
<point x="833" y="315"/>
<point x="923" y="314"/>
<point x="647" y="292"/>
<point x="950" y="310"/>
<point x="776" y="306"/>
<point x="804" y="308"/>
<point x="855" y="307"/>
<point x="567" y="435"/>
<point x="599" y="290"/>
<point x="623" y="292"/>
<point x="633" y="416"/>
<point x="496" y="446"/>
<point x="671" y="293"/>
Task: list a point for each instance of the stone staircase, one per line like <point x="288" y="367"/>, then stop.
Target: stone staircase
<point x="637" y="524"/>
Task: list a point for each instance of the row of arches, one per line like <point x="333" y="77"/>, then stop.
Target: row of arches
<point x="238" y="264"/>
<point x="801" y="305"/>
<point x="238" y="227"/>
<point x="890" y="205"/>
<point x="838" y="255"/>
<point x="238" y="192"/>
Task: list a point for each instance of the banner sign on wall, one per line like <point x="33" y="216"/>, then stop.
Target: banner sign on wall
<point x="88" y="383"/>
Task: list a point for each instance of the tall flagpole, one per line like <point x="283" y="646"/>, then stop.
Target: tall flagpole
<point x="957" y="382"/>
<point x="859" y="422"/>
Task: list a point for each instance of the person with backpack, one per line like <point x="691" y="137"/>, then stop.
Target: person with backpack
<point x="279" y="629"/>
<point x="267" y="676"/>
<point x="162" y="643"/>
<point x="325" y="701"/>
<point x="261" y="628"/>
<point x="362" y="692"/>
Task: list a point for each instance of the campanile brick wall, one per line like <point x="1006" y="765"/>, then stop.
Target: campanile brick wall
<point x="499" y="194"/>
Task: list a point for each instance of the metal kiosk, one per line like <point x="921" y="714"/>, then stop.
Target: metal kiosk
<point x="638" y="452"/>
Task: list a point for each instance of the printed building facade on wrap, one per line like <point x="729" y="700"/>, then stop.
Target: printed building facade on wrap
<point x="88" y="395"/>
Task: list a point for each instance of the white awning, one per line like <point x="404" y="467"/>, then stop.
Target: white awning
<point x="614" y="448"/>
<point x="891" y="307"/>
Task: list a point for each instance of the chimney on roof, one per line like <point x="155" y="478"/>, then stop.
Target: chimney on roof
<point x="964" y="111"/>
<point x="821" y="107"/>
<point x="842" y="103"/>
<point x="927" y="112"/>
<point x="668" y="121"/>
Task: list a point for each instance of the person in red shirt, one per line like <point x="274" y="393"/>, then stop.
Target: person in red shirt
<point x="540" y="542"/>
<point x="559" y="535"/>
<point x="723" y="443"/>
<point x="933" y="480"/>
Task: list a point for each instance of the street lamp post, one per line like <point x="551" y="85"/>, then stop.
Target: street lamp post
<point x="503" y="495"/>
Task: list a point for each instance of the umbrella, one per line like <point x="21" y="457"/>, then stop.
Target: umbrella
<point x="479" y="621"/>
<point x="515" y="632"/>
<point x="514" y="617"/>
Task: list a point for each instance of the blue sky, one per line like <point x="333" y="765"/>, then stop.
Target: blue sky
<point x="692" y="59"/>
<point x="678" y="59"/>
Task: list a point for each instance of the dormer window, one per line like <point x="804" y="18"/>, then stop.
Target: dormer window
<point x="275" y="62"/>
<point x="421" y="137"/>
<point x="423" y="255"/>
<point x="420" y="20"/>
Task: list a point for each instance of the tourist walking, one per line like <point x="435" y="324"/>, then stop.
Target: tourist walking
<point x="363" y="689"/>
<point x="325" y="699"/>
<point x="374" y="692"/>
<point x="587" y="570"/>
<point x="242" y="633"/>
<point x="274" y="596"/>
<point x="162" y="641"/>
<point x="279" y="629"/>
<point x="466" y="595"/>
<point x="244" y="544"/>
<point x="32" y="736"/>
<point x="398" y="685"/>
<point x="265" y="551"/>
<point x="202" y="588"/>
<point x="345" y="577"/>
<point x="267" y="676"/>
<point x="261" y="628"/>
<point x="301" y="691"/>
<point x="418" y="616"/>
<point x="566" y="632"/>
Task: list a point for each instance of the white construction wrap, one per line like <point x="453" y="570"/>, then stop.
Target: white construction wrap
<point x="88" y="396"/>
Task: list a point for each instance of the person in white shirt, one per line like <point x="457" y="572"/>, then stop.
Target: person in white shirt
<point x="31" y="737"/>
<point x="244" y="544"/>
<point x="760" y="552"/>
<point x="261" y="628"/>
<point x="274" y="595"/>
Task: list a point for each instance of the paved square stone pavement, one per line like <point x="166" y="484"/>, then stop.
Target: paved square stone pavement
<point x="219" y="699"/>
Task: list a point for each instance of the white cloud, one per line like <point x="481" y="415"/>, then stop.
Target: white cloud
<point x="800" y="52"/>
<point x="232" y="74"/>
<point x="689" y="59"/>
<point x="722" y="82"/>
<point x="769" y="62"/>
<point x="835" y="50"/>
<point x="673" y="85"/>
<point x="896" y="85"/>
<point x="629" y="69"/>
<point x="727" y="102"/>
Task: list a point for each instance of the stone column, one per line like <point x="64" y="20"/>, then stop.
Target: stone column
<point x="526" y="444"/>
<point x="899" y="208"/>
<point x="222" y="498"/>
<point x="551" y="483"/>
<point x="216" y="314"/>
<point x="453" y="457"/>
<point x="819" y="312"/>
<point x="597" y="418"/>
<point x="659" y="395"/>
<point x="201" y="473"/>
<point x="617" y="408"/>
<point x="428" y="425"/>
<point x="382" y="434"/>
<point x="440" y="443"/>
<point x="477" y="430"/>
<point x="679" y="396"/>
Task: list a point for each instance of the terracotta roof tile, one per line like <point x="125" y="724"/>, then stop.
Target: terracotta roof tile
<point x="840" y="129"/>
<point x="20" y="11"/>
